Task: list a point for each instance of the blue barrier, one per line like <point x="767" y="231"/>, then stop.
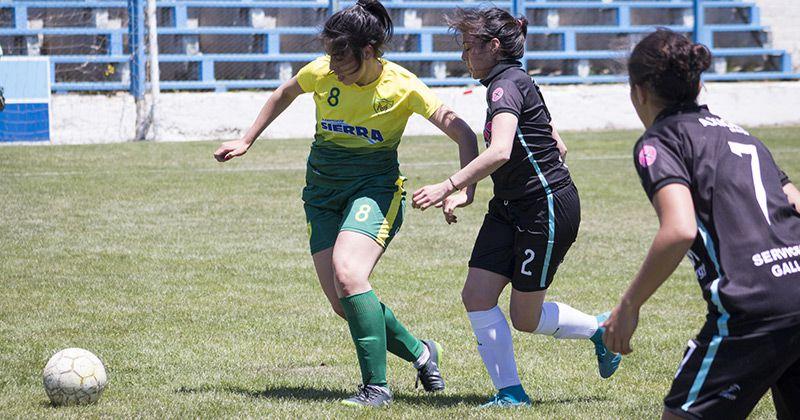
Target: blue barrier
<point x="571" y="53"/>
<point x="26" y="116"/>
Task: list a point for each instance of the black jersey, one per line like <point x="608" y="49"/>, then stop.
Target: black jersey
<point x="747" y="251"/>
<point x="535" y="167"/>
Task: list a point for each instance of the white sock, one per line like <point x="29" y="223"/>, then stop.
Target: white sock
<point x="495" y="346"/>
<point x="563" y="321"/>
<point x="423" y="358"/>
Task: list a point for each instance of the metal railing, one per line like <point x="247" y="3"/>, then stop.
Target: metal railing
<point x="568" y="41"/>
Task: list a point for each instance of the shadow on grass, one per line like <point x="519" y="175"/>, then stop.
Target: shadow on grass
<point x="280" y="392"/>
<point x="474" y="400"/>
<point x="302" y="393"/>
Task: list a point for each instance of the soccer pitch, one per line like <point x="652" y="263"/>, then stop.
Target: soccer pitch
<point x="191" y="280"/>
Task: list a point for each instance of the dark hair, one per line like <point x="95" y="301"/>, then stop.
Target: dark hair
<point x="486" y="24"/>
<point x="351" y="29"/>
<point x="670" y="65"/>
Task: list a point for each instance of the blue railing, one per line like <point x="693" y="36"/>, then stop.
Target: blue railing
<point x="568" y="41"/>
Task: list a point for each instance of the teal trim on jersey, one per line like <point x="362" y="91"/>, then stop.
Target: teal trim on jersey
<point x="708" y="241"/>
<point x="551" y="220"/>
<point x="722" y="323"/>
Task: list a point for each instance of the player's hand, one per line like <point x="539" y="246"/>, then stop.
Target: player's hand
<point x="620" y="327"/>
<point x="451" y="203"/>
<point x="431" y="195"/>
<point x="231" y="149"/>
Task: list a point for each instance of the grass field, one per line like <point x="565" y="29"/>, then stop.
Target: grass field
<point x="192" y="282"/>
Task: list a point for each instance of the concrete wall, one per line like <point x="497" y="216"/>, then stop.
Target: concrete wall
<point x="783" y="19"/>
<point x="224" y="116"/>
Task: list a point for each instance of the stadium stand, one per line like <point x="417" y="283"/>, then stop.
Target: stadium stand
<point x="243" y="44"/>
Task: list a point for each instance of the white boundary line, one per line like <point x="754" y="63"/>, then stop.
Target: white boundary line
<point x="223" y="170"/>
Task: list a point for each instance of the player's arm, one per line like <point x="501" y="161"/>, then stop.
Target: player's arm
<point x="504" y="126"/>
<point x="283" y="96"/>
<point x="458" y="130"/>
<point x="562" y="147"/>
<point x="793" y="195"/>
<point x="677" y="231"/>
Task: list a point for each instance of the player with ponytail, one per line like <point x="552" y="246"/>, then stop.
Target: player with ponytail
<point x="354" y="197"/>
<point x="723" y="201"/>
<point x="534" y="216"/>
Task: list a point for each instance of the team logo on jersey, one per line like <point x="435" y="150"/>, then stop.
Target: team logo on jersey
<point x="372" y="136"/>
<point x="381" y="104"/>
<point x="731" y="392"/>
<point x="497" y="94"/>
<point x="647" y="156"/>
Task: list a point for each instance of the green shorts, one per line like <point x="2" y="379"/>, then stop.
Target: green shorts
<point x="367" y="208"/>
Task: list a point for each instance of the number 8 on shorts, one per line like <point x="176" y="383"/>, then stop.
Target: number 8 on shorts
<point x="377" y="214"/>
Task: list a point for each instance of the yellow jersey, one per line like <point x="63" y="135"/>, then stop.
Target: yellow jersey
<point x="358" y="128"/>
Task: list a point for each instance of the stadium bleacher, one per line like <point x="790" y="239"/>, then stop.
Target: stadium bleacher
<point x="242" y="44"/>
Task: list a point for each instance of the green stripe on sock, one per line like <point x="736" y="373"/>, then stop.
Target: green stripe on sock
<point x="368" y="329"/>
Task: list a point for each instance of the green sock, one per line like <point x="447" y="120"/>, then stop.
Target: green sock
<point x="399" y="341"/>
<point x="368" y="329"/>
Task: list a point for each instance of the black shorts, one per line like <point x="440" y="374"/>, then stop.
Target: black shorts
<point x="725" y="377"/>
<point x="527" y="240"/>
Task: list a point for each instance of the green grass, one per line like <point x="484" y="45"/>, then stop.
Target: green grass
<point x="192" y="282"/>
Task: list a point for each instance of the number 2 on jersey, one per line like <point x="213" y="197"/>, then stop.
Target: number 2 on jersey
<point x="740" y="149"/>
<point x="524" y="269"/>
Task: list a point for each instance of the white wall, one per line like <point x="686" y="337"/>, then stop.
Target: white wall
<point x="222" y="116"/>
<point x="783" y="19"/>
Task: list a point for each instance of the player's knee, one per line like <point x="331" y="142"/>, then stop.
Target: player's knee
<point x="347" y="275"/>
<point x="524" y="322"/>
<point x="475" y="299"/>
<point x="470" y="298"/>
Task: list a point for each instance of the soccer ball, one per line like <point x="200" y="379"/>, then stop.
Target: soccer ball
<point x="74" y="377"/>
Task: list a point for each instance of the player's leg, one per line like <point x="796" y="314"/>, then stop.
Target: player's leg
<point x="323" y="264"/>
<point x="490" y="268"/>
<point x="786" y="394"/>
<point x="371" y="220"/>
<point x="323" y="228"/>
<point x="493" y="336"/>
<point x="786" y="391"/>
<point x="377" y="212"/>
<point x="354" y="257"/>
<point x="545" y="232"/>
<point x="725" y="376"/>
<point x="323" y="208"/>
<point x="398" y="340"/>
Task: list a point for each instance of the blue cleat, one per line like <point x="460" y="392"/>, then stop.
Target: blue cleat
<point x="607" y="362"/>
<point x="509" y="397"/>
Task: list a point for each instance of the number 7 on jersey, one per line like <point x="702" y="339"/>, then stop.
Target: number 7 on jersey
<point x="740" y="149"/>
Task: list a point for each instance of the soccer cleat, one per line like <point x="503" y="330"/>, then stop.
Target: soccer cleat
<point x="509" y="397"/>
<point x="607" y="362"/>
<point x="370" y="396"/>
<point x="429" y="374"/>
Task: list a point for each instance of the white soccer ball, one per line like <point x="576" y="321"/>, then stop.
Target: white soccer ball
<point x="74" y="377"/>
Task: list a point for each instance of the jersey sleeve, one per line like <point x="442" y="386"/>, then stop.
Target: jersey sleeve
<point x="504" y="96"/>
<point x="422" y="100"/>
<point x="544" y="105"/>
<point x="311" y="73"/>
<point x="784" y="178"/>
<point x="660" y="162"/>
